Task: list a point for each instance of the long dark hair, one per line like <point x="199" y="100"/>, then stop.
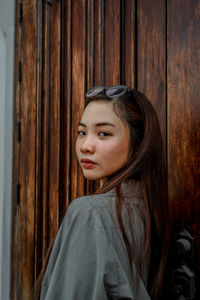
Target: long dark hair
<point x="147" y="165"/>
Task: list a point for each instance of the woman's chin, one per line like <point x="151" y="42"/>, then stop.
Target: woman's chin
<point x="92" y="178"/>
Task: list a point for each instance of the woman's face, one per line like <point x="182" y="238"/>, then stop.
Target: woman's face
<point x="103" y="141"/>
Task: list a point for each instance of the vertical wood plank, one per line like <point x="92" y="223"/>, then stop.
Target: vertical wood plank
<point x="98" y="71"/>
<point x="66" y="103"/>
<point x="45" y="128"/>
<point x="50" y="126"/>
<point x="183" y="114"/>
<point x="128" y="42"/>
<point x="38" y="255"/>
<point x="112" y="42"/>
<point x="78" y="88"/>
<point x="90" y="44"/>
<point x="27" y="152"/>
<point x="151" y="52"/>
<point x="54" y="120"/>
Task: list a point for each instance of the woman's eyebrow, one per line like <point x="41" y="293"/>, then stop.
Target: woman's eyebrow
<point x="98" y="124"/>
<point x="81" y="124"/>
<point x="104" y="124"/>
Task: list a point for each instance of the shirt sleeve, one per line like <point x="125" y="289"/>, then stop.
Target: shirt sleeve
<point x="82" y="263"/>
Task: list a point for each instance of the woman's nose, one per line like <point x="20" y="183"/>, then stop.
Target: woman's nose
<point x="87" y="146"/>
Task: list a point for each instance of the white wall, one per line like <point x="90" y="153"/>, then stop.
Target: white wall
<point x="7" y="8"/>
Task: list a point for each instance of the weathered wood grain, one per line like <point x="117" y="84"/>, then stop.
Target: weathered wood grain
<point x="78" y="88"/>
<point x="38" y="228"/>
<point x="25" y="242"/>
<point x="129" y="44"/>
<point x="65" y="48"/>
<point x="66" y="106"/>
<point x="183" y="113"/>
<point x="99" y="43"/>
<point x="112" y="42"/>
<point x="151" y="53"/>
<point x="54" y="121"/>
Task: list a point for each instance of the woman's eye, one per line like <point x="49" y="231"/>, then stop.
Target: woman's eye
<point x="103" y="133"/>
<point x="80" y="132"/>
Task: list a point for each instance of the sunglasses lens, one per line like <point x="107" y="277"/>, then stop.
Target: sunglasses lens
<point x="114" y="92"/>
<point x="95" y="91"/>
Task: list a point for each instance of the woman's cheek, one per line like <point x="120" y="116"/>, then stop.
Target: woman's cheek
<point x="110" y="150"/>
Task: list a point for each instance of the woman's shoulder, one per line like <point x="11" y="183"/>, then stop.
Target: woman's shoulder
<point x="100" y="203"/>
<point x="101" y="208"/>
<point x="90" y="209"/>
<point x="89" y="203"/>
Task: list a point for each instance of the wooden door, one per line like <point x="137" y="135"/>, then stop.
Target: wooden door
<point x="64" y="47"/>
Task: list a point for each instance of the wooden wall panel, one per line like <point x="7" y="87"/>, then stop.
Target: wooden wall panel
<point x="89" y="44"/>
<point x="48" y="131"/>
<point x="78" y="87"/>
<point x="112" y="42"/>
<point x="44" y="129"/>
<point x="183" y="114"/>
<point x="65" y="105"/>
<point x="54" y="120"/>
<point x="151" y="52"/>
<point x="66" y="47"/>
<point x="37" y="161"/>
<point x="98" y="45"/>
<point x="23" y="241"/>
<point x="38" y="237"/>
<point x="129" y="43"/>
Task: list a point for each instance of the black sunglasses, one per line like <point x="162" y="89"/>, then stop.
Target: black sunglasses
<point x="110" y="92"/>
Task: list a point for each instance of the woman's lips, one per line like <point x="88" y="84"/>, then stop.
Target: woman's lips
<point x="87" y="163"/>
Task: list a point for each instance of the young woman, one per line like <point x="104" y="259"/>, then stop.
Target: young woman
<point x="112" y="245"/>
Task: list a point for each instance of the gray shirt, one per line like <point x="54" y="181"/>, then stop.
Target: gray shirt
<point x="89" y="260"/>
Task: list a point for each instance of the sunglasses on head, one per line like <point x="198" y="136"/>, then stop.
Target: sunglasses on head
<point x="110" y="92"/>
